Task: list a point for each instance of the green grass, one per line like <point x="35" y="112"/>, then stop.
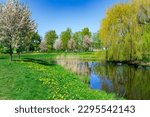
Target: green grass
<point x="35" y="76"/>
<point x="17" y="81"/>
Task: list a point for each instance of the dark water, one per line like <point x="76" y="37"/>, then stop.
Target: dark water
<point x="125" y="81"/>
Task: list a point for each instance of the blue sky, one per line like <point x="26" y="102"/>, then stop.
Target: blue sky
<point x="60" y="14"/>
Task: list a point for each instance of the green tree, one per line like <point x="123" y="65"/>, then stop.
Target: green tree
<point x="35" y="41"/>
<point x="50" y="38"/>
<point x="121" y="33"/>
<point x="65" y="37"/>
<point x="78" y="40"/>
<point x="96" y="41"/>
<point x="143" y="14"/>
<point x="146" y="42"/>
<point x="85" y="32"/>
<point x="86" y="38"/>
<point x="1" y="48"/>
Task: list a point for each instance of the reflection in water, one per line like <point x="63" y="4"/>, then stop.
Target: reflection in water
<point x="73" y="64"/>
<point x="96" y="82"/>
<point x="125" y="81"/>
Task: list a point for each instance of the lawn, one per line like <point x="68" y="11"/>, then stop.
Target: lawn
<point x="37" y="77"/>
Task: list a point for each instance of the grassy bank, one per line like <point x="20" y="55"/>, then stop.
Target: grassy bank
<point x="35" y="76"/>
<point x="100" y="56"/>
<point x="92" y="56"/>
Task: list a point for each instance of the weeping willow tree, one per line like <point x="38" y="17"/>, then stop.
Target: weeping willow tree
<point x="15" y="24"/>
<point x="144" y="21"/>
<point x="121" y="32"/>
<point x="114" y="30"/>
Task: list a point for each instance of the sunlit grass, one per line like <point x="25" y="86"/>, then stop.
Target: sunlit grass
<point x="35" y="77"/>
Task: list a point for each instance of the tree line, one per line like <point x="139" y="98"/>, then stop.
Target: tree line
<point x="125" y="31"/>
<point x="67" y="41"/>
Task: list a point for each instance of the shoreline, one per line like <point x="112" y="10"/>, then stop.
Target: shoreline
<point x="136" y="64"/>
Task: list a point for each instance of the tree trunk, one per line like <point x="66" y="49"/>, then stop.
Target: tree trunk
<point x="10" y="53"/>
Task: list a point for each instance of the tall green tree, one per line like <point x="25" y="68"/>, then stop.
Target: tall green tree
<point x="35" y="41"/>
<point x="15" y="24"/>
<point x="121" y="33"/>
<point x="77" y="36"/>
<point x="96" y="41"/>
<point x="86" y="31"/>
<point x="50" y="38"/>
<point x="143" y="14"/>
<point x="65" y="37"/>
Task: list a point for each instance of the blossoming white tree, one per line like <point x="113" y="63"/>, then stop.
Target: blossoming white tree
<point x="15" y="24"/>
<point x="43" y="46"/>
<point x="71" y="44"/>
<point x="57" y="44"/>
<point x="86" y="42"/>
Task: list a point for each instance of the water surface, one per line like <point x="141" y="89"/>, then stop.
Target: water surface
<point x="125" y="81"/>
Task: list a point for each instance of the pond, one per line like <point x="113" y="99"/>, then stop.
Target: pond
<point x="123" y="80"/>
